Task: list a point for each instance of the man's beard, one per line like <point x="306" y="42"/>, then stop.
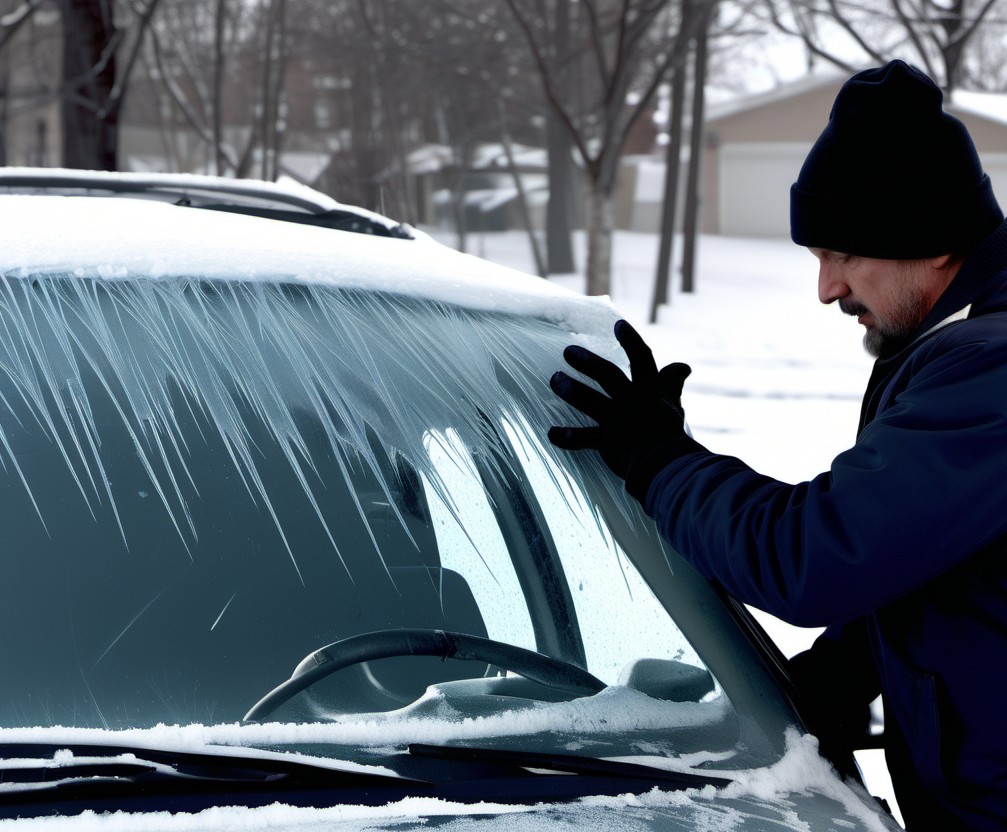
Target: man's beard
<point x="891" y="332"/>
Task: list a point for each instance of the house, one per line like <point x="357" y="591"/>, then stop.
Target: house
<point x="754" y="148"/>
<point x="486" y="189"/>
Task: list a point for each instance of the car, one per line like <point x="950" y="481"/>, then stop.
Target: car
<point x="285" y="547"/>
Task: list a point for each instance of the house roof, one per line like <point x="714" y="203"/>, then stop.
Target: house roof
<point x="990" y="106"/>
<point x="790" y="89"/>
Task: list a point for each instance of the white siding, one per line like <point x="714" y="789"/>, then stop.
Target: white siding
<point x="995" y="164"/>
<point x="755" y="182"/>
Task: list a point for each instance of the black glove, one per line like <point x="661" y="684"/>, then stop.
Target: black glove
<point x="641" y="424"/>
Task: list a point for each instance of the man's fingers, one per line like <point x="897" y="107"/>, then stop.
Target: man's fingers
<point x="575" y="439"/>
<point x="642" y="366"/>
<point x="586" y="399"/>
<point x="612" y="380"/>
<point x="672" y="378"/>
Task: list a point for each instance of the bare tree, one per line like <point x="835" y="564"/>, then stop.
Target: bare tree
<point x="937" y="36"/>
<point x="453" y="72"/>
<point x="98" y="59"/>
<point x="669" y="212"/>
<point x="217" y="104"/>
<point x="692" y="201"/>
<point x="99" y="43"/>
<point x="216" y="73"/>
<point x="559" y="147"/>
<point x="621" y="53"/>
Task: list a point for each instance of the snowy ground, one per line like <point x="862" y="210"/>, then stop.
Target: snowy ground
<point x="777" y="377"/>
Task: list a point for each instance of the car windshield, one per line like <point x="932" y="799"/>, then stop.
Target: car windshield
<point x="204" y="482"/>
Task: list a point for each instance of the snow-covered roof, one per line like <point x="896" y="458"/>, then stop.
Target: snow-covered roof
<point x="989" y="105"/>
<point x="744" y="103"/>
<point x="495" y="155"/>
<point x="429" y="158"/>
<point x="433" y="157"/>
<point x="117" y="238"/>
<point x="992" y="106"/>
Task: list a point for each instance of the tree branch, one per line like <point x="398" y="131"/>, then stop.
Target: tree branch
<point x="853" y="33"/>
<point x="594" y="27"/>
<point x="914" y="37"/>
<point x="548" y="83"/>
<point x="12" y="21"/>
<point x="970" y="29"/>
<point x="118" y="93"/>
<point x="179" y="98"/>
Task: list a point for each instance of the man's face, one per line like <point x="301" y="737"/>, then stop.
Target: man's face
<point x="890" y="298"/>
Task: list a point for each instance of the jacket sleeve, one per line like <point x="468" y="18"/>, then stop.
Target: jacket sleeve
<point x="921" y="491"/>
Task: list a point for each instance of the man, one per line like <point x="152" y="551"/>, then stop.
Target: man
<point x="900" y="549"/>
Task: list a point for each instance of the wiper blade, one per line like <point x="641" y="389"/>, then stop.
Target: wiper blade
<point x="19" y="761"/>
<point x="69" y="778"/>
<point x="570" y="764"/>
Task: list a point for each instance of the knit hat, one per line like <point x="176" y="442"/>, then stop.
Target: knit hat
<point x="892" y="175"/>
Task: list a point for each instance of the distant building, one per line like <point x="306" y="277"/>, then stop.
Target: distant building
<point x="30" y="120"/>
<point x="754" y="148"/>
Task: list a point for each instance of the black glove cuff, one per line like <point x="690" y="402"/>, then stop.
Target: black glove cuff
<point x="652" y="459"/>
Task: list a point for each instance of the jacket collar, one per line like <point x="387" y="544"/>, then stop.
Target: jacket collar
<point x="979" y="281"/>
<point x="979" y="287"/>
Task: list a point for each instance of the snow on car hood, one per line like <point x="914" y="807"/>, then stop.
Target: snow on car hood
<point x="118" y="238"/>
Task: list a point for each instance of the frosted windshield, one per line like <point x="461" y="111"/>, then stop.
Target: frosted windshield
<point x="203" y="482"/>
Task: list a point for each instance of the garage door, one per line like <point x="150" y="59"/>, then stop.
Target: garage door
<point x="755" y="182"/>
<point x="995" y="164"/>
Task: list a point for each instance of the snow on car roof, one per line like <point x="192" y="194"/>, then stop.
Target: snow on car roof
<point x="129" y="238"/>
<point x="283" y="189"/>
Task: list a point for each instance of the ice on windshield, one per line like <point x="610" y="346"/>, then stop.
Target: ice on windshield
<point x="204" y="482"/>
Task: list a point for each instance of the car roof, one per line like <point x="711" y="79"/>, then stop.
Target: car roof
<point x="286" y="200"/>
<point x="116" y="239"/>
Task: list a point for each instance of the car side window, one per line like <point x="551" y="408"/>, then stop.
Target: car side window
<point x="470" y="542"/>
<point x="599" y="575"/>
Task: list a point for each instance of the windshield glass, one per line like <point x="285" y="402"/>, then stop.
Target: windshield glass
<point x="205" y="482"/>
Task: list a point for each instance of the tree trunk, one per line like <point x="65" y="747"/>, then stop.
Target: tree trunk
<point x="692" y="201"/>
<point x="459" y="195"/>
<point x="559" y="209"/>
<point x="4" y="102"/>
<point x="672" y="161"/>
<point x="272" y="86"/>
<point x="219" y="162"/>
<point x="559" y="147"/>
<point x="90" y="129"/>
<point x="600" y="220"/>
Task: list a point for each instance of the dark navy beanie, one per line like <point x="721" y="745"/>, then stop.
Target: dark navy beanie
<point x="892" y="175"/>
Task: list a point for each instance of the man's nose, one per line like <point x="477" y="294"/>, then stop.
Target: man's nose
<point x="830" y="286"/>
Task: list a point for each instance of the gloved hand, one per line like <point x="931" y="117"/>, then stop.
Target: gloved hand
<point x="641" y="423"/>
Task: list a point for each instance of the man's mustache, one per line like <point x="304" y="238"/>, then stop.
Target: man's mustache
<point x="853" y="308"/>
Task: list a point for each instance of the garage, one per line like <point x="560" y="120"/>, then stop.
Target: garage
<point x="754" y="148"/>
<point x="755" y="180"/>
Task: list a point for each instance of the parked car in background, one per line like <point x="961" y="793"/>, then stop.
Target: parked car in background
<point x="284" y="547"/>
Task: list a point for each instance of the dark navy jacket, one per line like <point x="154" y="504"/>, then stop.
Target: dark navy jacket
<point x="906" y="534"/>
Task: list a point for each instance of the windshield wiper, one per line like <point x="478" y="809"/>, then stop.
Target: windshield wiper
<point x="571" y="764"/>
<point x="69" y="778"/>
<point x="39" y="779"/>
